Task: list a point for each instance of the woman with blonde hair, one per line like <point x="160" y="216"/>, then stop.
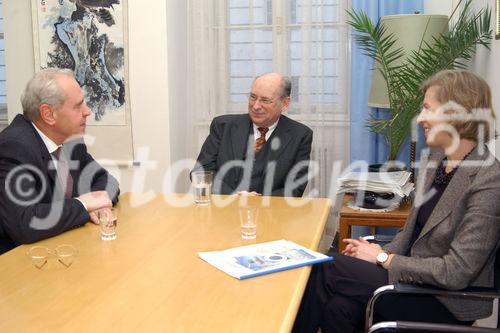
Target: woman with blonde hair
<point x="450" y="238"/>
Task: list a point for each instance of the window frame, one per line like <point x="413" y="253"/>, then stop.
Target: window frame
<point x="337" y="112"/>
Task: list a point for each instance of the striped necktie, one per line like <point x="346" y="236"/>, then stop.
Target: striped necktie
<point x="261" y="139"/>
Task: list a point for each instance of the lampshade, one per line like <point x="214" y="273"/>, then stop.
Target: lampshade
<point x="408" y="30"/>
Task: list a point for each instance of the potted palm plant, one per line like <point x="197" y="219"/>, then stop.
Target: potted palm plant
<point x="403" y="79"/>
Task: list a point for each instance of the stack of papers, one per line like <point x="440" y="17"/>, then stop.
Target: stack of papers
<point x="397" y="182"/>
<point x="257" y="259"/>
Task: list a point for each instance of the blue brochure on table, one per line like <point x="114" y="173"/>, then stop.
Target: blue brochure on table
<point x="257" y="259"/>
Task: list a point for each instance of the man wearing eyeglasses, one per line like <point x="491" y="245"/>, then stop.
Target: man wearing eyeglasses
<point x="262" y="152"/>
<point x="49" y="182"/>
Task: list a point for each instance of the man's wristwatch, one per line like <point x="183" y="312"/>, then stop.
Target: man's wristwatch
<point x="382" y="258"/>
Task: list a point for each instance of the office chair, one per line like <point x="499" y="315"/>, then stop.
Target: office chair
<point x="407" y="327"/>
<point x="417" y="327"/>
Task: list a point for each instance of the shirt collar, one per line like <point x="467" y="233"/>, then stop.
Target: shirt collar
<point x="51" y="145"/>
<point x="271" y="128"/>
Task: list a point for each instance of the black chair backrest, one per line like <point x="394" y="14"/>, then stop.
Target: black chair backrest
<point x="496" y="272"/>
<point x="496" y="282"/>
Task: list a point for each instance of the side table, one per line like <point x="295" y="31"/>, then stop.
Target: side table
<point x="349" y="217"/>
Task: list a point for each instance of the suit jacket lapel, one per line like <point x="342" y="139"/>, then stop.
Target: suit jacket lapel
<point x="430" y="165"/>
<point x="425" y="177"/>
<point x="453" y="192"/>
<point x="282" y="136"/>
<point x="47" y="164"/>
<point x="240" y="132"/>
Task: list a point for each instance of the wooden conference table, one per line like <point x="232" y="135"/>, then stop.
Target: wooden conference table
<point x="150" y="279"/>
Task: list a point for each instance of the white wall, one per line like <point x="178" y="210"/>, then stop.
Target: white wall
<point x="177" y="33"/>
<point x="487" y="64"/>
<point x="438" y="7"/>
<point x="19" y="57"/>
<point x="148" y="73"/>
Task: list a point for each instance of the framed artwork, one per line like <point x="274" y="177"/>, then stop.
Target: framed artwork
<point x="89" y="37"/>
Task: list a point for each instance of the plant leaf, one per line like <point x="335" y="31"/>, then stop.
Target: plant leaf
<point x="449" y="50"/>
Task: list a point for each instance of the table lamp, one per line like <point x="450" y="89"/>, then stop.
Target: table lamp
<point x="410" y="32"/>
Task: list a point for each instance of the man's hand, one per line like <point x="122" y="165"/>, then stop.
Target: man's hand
<point x="95" y="201"/>
<point x="247" y="193"/>
<point x="93" y="217"/>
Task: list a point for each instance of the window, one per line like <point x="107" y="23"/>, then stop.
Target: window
<point x="305" y="38"/>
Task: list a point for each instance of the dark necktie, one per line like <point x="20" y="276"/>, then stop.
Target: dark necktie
<point x="63" y="173"/>
<point x="261" y="139"/>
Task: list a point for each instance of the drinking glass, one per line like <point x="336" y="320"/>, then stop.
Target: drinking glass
<point x="248" y="222"/>
<point x="107" y="221"/>
<point x="202" y="186"/>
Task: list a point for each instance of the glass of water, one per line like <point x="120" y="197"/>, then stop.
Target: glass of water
<point x="202" y="186"/>
<point x="108" y="219"/>
<point x="248" y="222"/>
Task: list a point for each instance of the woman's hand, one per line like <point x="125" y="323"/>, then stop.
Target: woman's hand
<point x="361" y="249"/>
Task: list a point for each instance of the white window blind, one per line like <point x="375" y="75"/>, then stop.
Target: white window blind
<point x="304" y="38"/>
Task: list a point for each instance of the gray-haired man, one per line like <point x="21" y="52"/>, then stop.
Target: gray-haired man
<point x="49" y="182"/>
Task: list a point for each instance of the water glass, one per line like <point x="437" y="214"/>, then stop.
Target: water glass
<point x="202" y="186"/>
<point x="107" y="221"/>
<point x="248" y="222"/>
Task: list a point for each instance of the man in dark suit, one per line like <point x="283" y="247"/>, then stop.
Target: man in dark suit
<point x="49" y="182"/>
<point x="262" y="152"/>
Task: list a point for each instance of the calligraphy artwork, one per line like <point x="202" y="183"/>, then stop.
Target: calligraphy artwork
<point x="87" y="36"/>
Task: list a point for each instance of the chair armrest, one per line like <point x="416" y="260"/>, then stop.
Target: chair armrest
<point x="483" y="292"/>
<point x="402" y="288"/>
<point x="415" y="327"/>
<point x="378" y="238"/>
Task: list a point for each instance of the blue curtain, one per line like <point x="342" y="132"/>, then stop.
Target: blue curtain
<point x="365" y="145"/>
